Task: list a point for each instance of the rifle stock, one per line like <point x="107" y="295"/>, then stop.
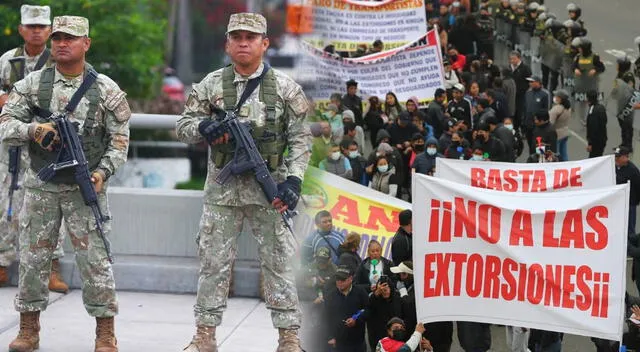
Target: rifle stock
<point x="14" y="170"/>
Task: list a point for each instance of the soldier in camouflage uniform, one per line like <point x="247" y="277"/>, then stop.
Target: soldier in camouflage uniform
<point x="103" y="122"/>
<point x="276" y="111"/>
<point x="35" y="29"/>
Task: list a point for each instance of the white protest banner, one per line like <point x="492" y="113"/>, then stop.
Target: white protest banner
<point x="414" y="70"/>
<point x="535" y="177"/>
<point x="348" y="23"/>
<point x="548" y="260"/>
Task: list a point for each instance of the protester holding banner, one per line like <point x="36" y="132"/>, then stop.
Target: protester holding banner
<point x="626" y="171"/>
<point x="402" y="242"/>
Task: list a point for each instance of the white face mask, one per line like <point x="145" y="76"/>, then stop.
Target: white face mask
<point x="354" y="154"/>
<point x="335" y="156"/>
<point x="477" y="157"/>
<point x="432" y="151"/>
<point x="383" y="168"/>
<point x="509" y="127"/>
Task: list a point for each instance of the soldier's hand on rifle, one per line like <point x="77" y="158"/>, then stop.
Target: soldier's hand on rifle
<point x="214" y="132"/>
<point x="45" y="134"/>
<point x="288" y="194"/>
<point x="98" y="181"/>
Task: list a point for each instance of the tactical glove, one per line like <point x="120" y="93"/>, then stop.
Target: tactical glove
<point x="289" y="191"/>
<point x="45" y="134"/>
<point x="211" y="130"/>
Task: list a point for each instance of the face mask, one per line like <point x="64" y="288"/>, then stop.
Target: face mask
<point x="398" y="335"/>
<point x="335" y="156"/>
<point x="354" y="154"/>
<point x="418" y="147"/>
<point x="476" y="157"/>
<point x="509" y="127"/>
<point x="383" y="168"/>
<point x="432" y="151"/>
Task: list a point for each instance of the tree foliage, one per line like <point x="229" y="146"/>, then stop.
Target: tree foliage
<point x="127" y="37"/>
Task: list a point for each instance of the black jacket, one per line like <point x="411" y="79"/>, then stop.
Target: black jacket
<point x="626" y="173"/>
<point x="399" y="135"/>
<point x="535" y="101"/>
<point x="340" y="308"/>
<point x="435" y="117"/>
<point x="495" y="148"/>
<point x="460" y="110"/>
<point x="508" y="140"/>
<point x="401" y="247"/>
<point x="597" y="125"/>
<point x="354" y="103"/>
<point x="381" y="310"/>
<point x="520" y="75"/>
<point x="362" y="273"/>
<point x="348" y="258"/>
<point x="548" y="134"/>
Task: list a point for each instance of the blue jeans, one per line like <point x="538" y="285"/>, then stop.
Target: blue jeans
<point x="562" y="149"/>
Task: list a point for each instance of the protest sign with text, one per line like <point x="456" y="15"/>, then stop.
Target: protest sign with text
<point x="534" y="177"/>
<point x="348" y="23"/>
<point x="413" y="70"/>
<point x="372" y="214"/>
<point x="547" y="260"/>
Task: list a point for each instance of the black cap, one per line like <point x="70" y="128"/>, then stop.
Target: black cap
<point x="621" y="150"/>
<point x="492" y="120"/>
<point x="405" y="217"/>
<point x="440" y="92"/>
<point x="394" y="320"/>
<point x="484" y="126"/>
<point x="352" y="82"/>
<point x="417" y="136"/>
<point x="450" y="122"/>
<point x="542" y="115"/>
<point x="405" y="116"/>
<point x="342" y="272"/>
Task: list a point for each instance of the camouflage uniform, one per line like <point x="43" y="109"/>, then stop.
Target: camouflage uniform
<point x="225" y="207"/>
<point x="9" y="230"/>
<point x="45" y="204"/>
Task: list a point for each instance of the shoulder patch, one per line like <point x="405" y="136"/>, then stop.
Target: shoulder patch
<point x="112" y="101"/>
<point x="122" y="111"/>
<point x="299" y="104"/>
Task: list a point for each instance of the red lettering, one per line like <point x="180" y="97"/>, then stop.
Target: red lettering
<point x="568" y="287"/>
<point x="484" y="212"/>
<point x="493" y="181"/>
<point x="604" y="308"/>
<point x="536" y="284"/>
<point x="560" y="179"/>
<point x="477" y="177"/>
<point x="347" y="208"/>
<point x="377" y="217"/>
<point x="547" y="234"/>
<point x="442" y="278"/>
<point x="599" y="239"/>
<point x="445" y="235"/>
<point x="434" y="222"/>
<point x="526" y="179"/>
<point x="458" y="260"/>
<point x="552" y="288"/>
<point x="511" y="183"/>
<point x="575" y="179"/>
<point x="491" y="279"/>
<point x="474" y="275"/>
<point x="522" y="282"/>
<point x="572" y="230"/>
<point x="465" y="217"/>
<point x="583" y="302"/>
<point x="428" y="275"/>
<point x="539" y="183"/>
<point x="508" y="289"/>
<point x="521" y="229"/>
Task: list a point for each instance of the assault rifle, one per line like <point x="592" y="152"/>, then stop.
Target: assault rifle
<point x="71" y="156"/>
<point x="14" y="170"/>
<point x="246" y="158"/>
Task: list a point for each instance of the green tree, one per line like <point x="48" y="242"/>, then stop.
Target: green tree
<point x="127" y="37"/>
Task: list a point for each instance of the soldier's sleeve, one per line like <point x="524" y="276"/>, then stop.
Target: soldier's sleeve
<point x="196" y="109"/>
<point x="117" y="115"/>
<point x="16" y="115"/>
<point x="298" y="134"/>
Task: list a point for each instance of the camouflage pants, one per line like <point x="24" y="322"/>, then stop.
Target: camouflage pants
<point x="217" y="247"/>
<point x="9" y="230"/>
<point x="39" y="227"/>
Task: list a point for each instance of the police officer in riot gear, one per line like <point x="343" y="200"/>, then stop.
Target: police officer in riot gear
<point x="574" y="14"/>
<point x="624" y="71"/>
<point x="587" y="67"/>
